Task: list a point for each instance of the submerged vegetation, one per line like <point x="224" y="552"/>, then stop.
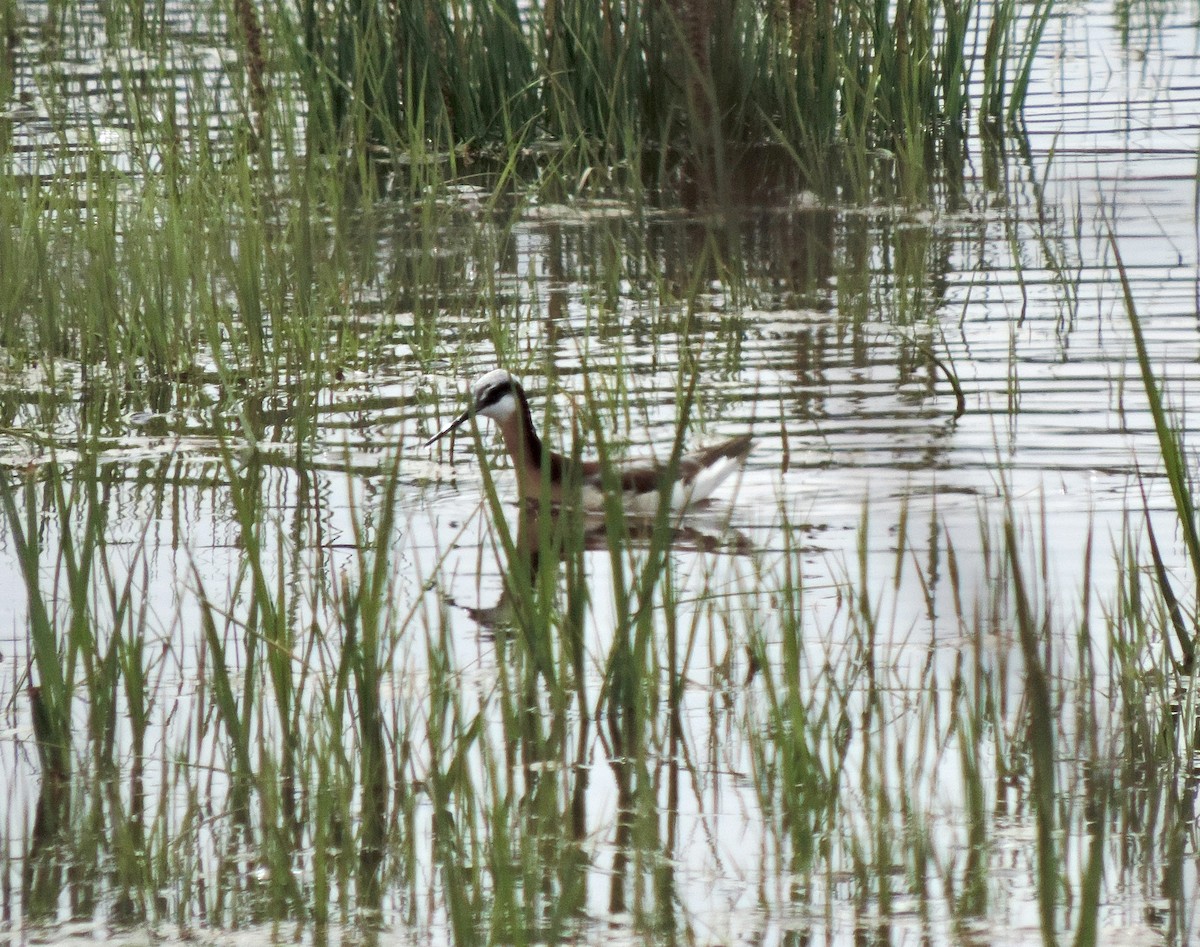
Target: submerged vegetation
<point x="270" y="666"/>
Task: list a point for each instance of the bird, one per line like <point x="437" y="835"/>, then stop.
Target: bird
<point x="499" y="396"/>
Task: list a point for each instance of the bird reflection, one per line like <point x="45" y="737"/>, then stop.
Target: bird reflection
<point x="543" y="539"/>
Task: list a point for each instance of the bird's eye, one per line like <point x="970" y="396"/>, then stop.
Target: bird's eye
<point x="492" y="395"/>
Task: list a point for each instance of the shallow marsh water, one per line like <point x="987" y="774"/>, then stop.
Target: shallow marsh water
<point x="847" y="756"/>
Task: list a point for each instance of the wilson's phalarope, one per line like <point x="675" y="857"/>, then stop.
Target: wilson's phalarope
<point x="499" y="396"/>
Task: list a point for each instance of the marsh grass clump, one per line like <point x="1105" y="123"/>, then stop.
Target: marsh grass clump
<point x="648" y="86"/>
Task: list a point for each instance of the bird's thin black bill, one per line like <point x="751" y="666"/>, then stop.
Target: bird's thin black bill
<point x="449" y="427"/>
